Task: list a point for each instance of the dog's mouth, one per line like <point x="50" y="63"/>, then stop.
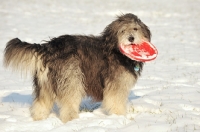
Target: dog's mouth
<point x="145" y="51"/>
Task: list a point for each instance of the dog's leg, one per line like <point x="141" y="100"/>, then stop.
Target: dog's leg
<point x="70" y="90"/>
<point x="69" y="104"/>
<point x="41" y="107"/>
<point x="116" y="93"/>
<point x="44" y="98"/>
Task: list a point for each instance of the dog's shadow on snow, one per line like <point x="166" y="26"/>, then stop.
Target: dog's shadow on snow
<point x="132" y="96"/>
<point x="18" y="98"/>
<point x="86" y="105"/>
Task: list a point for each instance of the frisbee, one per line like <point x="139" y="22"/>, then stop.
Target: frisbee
<point x="145" y="51"/>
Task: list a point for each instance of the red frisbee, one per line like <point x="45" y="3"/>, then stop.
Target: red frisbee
<point x="144" y="51"/>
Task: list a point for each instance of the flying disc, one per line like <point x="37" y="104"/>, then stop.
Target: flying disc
<point x="145" y="51"/>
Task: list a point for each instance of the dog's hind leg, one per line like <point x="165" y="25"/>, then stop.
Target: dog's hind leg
<point x="44" y="96"/>
<point x="70" y="90"/>
<point x="69" y="104"/>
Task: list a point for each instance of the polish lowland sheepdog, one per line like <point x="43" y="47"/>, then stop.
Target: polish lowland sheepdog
<point x="70" y="67"/>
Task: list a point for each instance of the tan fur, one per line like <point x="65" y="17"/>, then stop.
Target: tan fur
<point x="116" y="92"/>
<point x="21" y="61"/>
<point x="70" y="93"/>
<point x="42" y="105"/>
<point x="130" y="29"/>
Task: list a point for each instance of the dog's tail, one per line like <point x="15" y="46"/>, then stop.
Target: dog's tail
<point x="21" y="56"/>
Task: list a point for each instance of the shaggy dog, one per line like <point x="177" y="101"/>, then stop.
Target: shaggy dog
<point x="70" y="67"/>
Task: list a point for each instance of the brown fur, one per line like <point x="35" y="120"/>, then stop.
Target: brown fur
<point x="70" y="67"/>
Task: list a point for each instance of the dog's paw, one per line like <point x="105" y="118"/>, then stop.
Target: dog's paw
<point x="68" y="117"/>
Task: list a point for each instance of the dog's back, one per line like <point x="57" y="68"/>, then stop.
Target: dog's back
<point x="24" y="57"/>
<point x="86" y="53"/>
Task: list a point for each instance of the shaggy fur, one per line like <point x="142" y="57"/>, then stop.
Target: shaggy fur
<point x="70" y="67"/>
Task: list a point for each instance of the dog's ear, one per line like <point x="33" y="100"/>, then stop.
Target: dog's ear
<point x="145" y="30"/>
<point x="110" y="33"/>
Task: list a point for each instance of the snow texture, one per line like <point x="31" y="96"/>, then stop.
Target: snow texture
<point x="166" y="97"/>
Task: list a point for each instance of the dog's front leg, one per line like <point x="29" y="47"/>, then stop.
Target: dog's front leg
<point x="115" y="95"/>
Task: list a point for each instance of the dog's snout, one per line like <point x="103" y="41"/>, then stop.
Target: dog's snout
<point x="131" y="39"/>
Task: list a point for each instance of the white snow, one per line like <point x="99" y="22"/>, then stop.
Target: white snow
<point x="166" y="97"/>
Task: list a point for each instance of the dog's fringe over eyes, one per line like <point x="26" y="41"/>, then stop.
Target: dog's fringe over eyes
<point x="67" y="68"/>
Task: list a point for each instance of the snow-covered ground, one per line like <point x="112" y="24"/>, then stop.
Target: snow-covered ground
<point x="166" y="97"/>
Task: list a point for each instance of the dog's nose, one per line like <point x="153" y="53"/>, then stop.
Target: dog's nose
<point x="131" y="39"/>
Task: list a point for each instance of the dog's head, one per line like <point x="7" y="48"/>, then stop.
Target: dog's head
<point x="126" y="30"/>
<point x="131" y="30"/>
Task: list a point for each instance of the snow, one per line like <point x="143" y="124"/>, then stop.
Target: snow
<point x="167" y="95"/>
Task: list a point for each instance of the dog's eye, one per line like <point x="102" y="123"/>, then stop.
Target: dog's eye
<point x="135" y="29"/>
<point x="122" y="31"/>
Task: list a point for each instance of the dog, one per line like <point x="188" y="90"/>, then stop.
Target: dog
<point x="68" y="68"/>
